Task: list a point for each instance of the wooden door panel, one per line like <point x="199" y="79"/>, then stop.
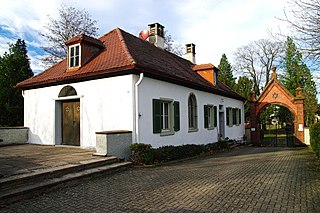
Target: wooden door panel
<point x="76" y="123"/>
<point x="71" y="123"/>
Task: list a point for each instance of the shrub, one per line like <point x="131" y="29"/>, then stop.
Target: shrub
<point x="147" y="157"/>
<point x="169" y="153"/>
<point x="139" y="147"/>
<point x="145" y="154"/>
<point x="315" y="138"/>
<point x="139" y="153"/>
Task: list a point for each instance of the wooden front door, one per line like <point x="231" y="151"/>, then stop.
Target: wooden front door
<point x="71" y="122"/>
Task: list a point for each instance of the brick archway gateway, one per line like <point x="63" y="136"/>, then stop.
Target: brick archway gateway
<point x="276" y="93"/>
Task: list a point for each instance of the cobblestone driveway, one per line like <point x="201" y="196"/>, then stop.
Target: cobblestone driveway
<point x="244" y="180"/>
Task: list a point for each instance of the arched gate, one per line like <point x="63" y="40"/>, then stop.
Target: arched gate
<point x="276" y="93"/>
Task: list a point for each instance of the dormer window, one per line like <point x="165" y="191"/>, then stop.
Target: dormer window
<point x="81" y="49"/>
<point x="74" y="56"/>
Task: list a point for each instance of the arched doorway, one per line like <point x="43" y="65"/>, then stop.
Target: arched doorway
<point x="276" y="124"/>
<point x="276" y="94"/>
<point x="70" y="116"/>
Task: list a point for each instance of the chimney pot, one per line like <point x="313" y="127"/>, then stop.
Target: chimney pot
<point x="191" y="52"/>
<point x="156" y="36"/>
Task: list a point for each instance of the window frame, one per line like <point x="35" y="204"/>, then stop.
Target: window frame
<point x="166" y="116"/>
<point x="234" y="116"/>
<point x="210" y="116"/>
<point x="74" y="57"/>
<point x="229" y="117"/>
<point x="192" y="113"/>
<point x="166" y="122"/>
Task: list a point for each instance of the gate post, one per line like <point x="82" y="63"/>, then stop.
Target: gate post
<point x="254" y="127"/>
<point x="299" y="120"/>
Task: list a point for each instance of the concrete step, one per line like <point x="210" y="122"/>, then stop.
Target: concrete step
<point x="17" y="181"/>
<point x="29" y="185"/>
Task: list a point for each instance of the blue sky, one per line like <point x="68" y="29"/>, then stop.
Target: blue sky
<point x="214" y="26"/>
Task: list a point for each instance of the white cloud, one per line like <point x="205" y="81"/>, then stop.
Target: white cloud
<point x="215" y="27"/>
<point x="223" y="26"/>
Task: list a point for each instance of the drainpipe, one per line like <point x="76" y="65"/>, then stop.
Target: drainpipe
<point x="137" y="108"/>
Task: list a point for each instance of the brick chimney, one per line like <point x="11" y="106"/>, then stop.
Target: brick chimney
<point x="156" y="36"/>
<point x="191" y="53"/>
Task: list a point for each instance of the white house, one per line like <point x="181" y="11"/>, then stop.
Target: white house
<point x="121" y="82"/>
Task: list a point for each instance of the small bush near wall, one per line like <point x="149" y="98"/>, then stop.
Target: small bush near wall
<point x="315" y="138"/>
<point x="144" y="154"/>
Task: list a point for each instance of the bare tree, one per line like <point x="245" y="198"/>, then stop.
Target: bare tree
<point x="71" y="22"/>
<point x="171" y="46"/>
<point x="256" y="60"/>
<point x="306" y="24"/>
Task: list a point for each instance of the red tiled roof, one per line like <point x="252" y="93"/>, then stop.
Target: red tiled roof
<point x="123" y="54"/>
<point x="199" y="67"/>
<point x="84" y="38"/>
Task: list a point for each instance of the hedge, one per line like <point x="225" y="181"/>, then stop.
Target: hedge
<point x="315" y="138"/>
<point x="144" y="154"/>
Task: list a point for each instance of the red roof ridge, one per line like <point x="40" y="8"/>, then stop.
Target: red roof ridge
<point x="40" y="74"/>
<point x="86" y="38"/>
<point x="124" y="45"/>
<point x="198" y="67"/>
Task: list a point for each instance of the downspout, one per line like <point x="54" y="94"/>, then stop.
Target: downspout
<point x="137" y="140"/>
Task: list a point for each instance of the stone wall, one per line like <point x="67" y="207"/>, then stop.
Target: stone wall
<point x="114" y="143"/>
<point x="13" y="135"/>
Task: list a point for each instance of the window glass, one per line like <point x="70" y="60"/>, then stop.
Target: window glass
<point x="210" y="116"/>
<point x="192" y="112"/>
<point x="74" y="56"/>
<point x="166" y="116"/>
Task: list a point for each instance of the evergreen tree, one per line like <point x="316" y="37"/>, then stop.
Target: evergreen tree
<point x="14" y="67"/>
<point x="297" y="74"/>
<point x="244" y="86"/>
<point x="225" y="74"/>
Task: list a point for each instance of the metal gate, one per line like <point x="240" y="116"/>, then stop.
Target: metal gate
<point x="290" y="135"/>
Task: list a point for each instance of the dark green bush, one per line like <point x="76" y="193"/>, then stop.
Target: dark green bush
<point x="139" y="153"/>
<point x="144" y="154"/>
<point x="169" y="153"/>
<point x="315" y="138"/>
<point x="220" y="145"/>
<point x="139" y="147"/>
<point x="147" y="157"/>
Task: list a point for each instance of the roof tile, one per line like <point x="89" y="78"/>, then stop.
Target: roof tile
<point x="122" y="52"/>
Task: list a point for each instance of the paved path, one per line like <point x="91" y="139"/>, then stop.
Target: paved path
<point x="27" y="158"/>
<point x="244" y="180"/>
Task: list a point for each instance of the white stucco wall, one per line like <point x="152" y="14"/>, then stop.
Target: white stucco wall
<point x="154" y="89"/>
<point x="106" y="105"/>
